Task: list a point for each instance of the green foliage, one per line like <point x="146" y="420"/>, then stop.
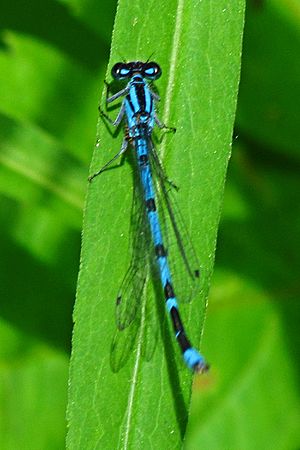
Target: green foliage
<point x="52" y="61"/>
<point x="252" y="330"/>
<point x="251" y="333"/>
<point x="271" y="74"/>
<point x="48" y="104"/>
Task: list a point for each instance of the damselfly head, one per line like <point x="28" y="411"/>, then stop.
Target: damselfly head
<point x="149" y="70"/>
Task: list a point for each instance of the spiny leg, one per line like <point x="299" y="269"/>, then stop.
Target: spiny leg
<point x="122" y="150"/>
<point x="159" y="168"/>
<point x="163" y="126"/>
<point x="118" y="119"/>
<point x="120" y="115"/>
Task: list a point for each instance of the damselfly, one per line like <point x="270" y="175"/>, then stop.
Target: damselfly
<point x="155" y="217"/>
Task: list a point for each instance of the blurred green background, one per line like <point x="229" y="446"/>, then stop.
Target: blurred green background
<point x="53" y="56"/>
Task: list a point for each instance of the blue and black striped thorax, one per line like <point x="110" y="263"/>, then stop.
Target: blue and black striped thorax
<point x="139" y="108"/>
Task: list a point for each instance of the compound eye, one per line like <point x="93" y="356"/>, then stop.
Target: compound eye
<point x="152" y="71"/>
<point x="120" y="71"/>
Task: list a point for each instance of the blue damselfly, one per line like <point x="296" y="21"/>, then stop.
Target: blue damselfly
<point x="156" y="208"/>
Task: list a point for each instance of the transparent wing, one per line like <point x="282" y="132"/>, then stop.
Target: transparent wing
<point x="154" y="295"/>
<point x="182" y="258"/>
<point x="135" y="286"/>
<point x="131" y="290"/>
<point x="123" y="342"/>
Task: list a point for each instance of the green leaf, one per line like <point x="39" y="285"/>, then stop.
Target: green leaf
<point x="146" y="403"/>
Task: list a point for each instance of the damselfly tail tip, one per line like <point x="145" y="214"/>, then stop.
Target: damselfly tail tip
<point x="195" y="361"/>
<point x="201" y="367"/>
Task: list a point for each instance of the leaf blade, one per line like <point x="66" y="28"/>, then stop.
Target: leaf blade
<point x="125" y="397"/>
